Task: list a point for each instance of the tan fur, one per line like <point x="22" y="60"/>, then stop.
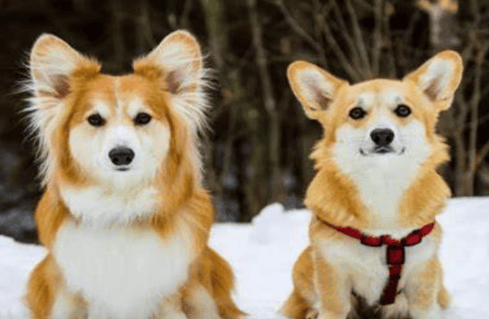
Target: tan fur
<point x="62" y="76"/>
<point x="216" y="276"/>
<point x="332" y="196"/>
<point x="296" y="305"/>
<point x="42" y="288"/>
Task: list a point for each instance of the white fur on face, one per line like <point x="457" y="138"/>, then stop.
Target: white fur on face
<point x="381" y="178"/>
<point x="90" y="146"/>
<point x="122" y="274"/>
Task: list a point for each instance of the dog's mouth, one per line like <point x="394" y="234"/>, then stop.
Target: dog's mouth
<point x="381" y="150"/>
<point x="122" y="169"/>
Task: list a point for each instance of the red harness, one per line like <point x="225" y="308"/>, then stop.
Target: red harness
<point x="395" y="253"/>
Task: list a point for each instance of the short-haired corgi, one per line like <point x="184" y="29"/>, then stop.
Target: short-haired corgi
<point x="374" y="239"/>
<point x="124" y="216"/>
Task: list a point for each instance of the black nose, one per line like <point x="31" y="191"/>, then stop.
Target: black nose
<point x="382" y="137"/>
<point x="121" y="155"/>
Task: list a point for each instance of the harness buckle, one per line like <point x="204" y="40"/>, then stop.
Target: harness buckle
<point x="395" y="255"/>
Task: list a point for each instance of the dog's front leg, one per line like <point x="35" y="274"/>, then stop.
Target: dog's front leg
<point x="170" y="308"/>
<point x="47" y="296"/>
<point x="332" y="290"/>
<point x="422" y="289"/>
<point x="199" y="303"/>
<point x="69" y="306"/>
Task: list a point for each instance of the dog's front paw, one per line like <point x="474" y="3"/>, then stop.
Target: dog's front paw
<point x="329" y="316"/>
<point x="311" y="314"/>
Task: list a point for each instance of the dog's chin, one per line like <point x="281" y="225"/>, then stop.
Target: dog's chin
<point x="382" y="151"/>
<point x="124" y="178"/>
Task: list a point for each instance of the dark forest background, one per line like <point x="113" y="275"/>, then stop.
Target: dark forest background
<point x="258" y="148"/>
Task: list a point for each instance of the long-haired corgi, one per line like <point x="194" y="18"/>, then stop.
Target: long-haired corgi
<point x="373" y="236"/>
<point x="124" y="217"/>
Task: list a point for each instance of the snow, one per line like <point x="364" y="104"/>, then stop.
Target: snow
<point x="262" y="254"/>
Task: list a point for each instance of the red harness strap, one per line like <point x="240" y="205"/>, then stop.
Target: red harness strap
<point x="395" y="253"/>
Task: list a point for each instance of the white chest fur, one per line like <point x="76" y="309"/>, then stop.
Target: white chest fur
<point x="365" y="267"/>
<point x="122" y="273"/>
<point x="94" y="205"/>
<point x="381" y="186"/>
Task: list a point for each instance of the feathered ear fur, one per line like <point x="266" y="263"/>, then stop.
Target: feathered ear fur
<point x="178" y="62"/>
<point x="53" y="67"/>
<point x="439" y="77"/>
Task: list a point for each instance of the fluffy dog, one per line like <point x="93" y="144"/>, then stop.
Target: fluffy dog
<point x="374" y="199"/>
<point x="124" y="216"/>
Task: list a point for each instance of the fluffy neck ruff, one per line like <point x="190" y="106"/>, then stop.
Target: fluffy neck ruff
<point x="334" y="197"/>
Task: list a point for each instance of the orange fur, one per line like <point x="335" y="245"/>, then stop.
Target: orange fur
<point x="65" y="85"/>
<point x="216" y="276"/>
<point x="325" y="286"/>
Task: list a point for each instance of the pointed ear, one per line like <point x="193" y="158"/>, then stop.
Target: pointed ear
<point x="314" y="87"/>
<point x="439" y="78"/>
<point x="52" y="62"/>
<point x="53" y="67"/>
<point x="177" y="63"/>
<point x="180" y="58"/>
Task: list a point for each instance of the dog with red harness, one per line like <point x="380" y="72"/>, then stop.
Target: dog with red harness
<point x="374" y="239"/>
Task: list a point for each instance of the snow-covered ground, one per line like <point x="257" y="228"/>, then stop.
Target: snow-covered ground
<point x="262" y="255"/>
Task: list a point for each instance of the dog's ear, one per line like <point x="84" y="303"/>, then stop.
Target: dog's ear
<point x="54" y="67"/>
<point x="439" y="78"/>
<point x="178" y="59"/>
<point x="52" y="62"/>
<point x="314" y="87"/>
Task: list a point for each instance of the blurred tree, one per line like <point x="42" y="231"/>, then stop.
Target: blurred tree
<point x="259" y="141"/>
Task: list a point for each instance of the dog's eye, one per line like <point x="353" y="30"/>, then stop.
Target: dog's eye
<point x="96" y="120"/>
<point x="142" y="119"/>
<point x="357" y="113"/>
<point x="402" y="110"/>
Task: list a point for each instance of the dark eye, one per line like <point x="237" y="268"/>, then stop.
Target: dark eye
<point x="357" y="113"/>
<point x="402" y="110"/>
<point x="96" y="120"/>
<point x="142" y="119"/>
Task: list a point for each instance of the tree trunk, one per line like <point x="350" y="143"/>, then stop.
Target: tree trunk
<point x="274" y="135"/>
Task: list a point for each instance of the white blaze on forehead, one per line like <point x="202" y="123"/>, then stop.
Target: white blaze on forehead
<point x="116" y="82"/>
<point x="126" y="106"/>
<point x="366" y="100"/>
<point x="388" y="97"/>
<point x="392" y="97"/>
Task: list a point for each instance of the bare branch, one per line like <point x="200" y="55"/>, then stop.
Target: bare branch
<point x="475" y="101"/>
<point x="357" y="32"/>
<point x="146" y="32"/>
<point x="355" y="57"/>
<point x="390" y="56"/>
<point x="268" y="98"/>
<point x="343" y="59"/>
<point x="298" y="29"/>
<point x="484" y="151"/>
<point x="377" y="36"/>
<point x="117" y="33"/>
<point x="184" y="22"/>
